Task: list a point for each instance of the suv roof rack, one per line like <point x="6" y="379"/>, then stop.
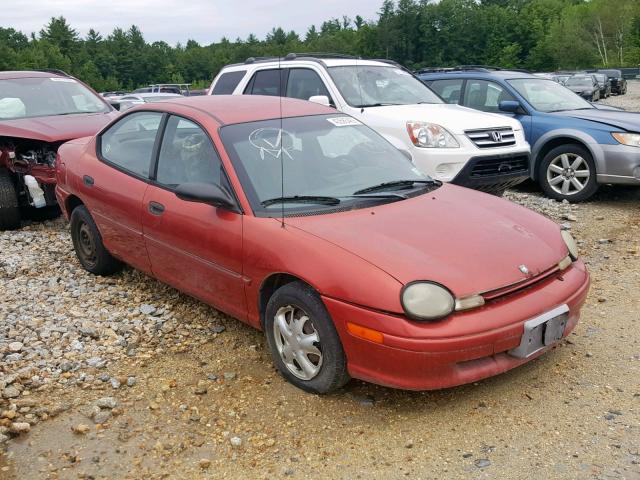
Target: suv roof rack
<point x="465" y="68"/>
<point x="316" y="56"/>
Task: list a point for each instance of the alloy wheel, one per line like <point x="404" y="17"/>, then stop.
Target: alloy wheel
<point x="568" y="174"/>
<point x="297" y="342"/>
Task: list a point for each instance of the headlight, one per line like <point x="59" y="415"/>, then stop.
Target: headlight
<point x="430" y="135"/>
<point x="571" y="244"/>
<point x="426" y="301"/>
<point x="631" y="139"/>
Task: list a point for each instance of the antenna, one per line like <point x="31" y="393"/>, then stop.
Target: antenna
<point x="359" y="86"/>
<point x="280" y="141"/>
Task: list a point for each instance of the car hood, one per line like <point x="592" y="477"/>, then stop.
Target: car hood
<point x="469" y="241"/>
<point x="626" y="120"/>
<point x="454" y="118"/>
<point x="56" y="128"/>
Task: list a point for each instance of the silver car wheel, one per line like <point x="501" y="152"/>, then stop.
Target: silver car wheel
<point x="297" y="342"/>
<point x="568" y="174"/>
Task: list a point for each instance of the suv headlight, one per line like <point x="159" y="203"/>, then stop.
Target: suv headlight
<point x="631" y="139"/>
<point x="571" y="244"/>
<point x="430" y="135"/>
<point x="426" y="301"/>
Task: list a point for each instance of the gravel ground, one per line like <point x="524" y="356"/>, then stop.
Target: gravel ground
<point x="125" y="377"/>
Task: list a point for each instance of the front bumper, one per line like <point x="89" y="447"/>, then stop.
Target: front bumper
<point x="620" y="164"/>
<point x="495" y="172"/>
<point x="463" y="348"/>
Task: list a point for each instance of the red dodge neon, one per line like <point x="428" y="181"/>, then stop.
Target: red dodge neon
<point x="304" y="223"/>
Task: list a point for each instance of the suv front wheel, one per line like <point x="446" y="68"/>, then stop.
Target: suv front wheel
<point x="568" y="172"/>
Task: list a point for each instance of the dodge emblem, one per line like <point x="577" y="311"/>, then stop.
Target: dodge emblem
<point x="524" y="269"/>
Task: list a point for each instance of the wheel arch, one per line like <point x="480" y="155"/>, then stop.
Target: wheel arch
<point x="72" y="202"/>
<point x="548" y="142"/>
<point x="272" y="283"/>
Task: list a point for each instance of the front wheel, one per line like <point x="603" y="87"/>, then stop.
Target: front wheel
<point x="304" y="343"/>
<point x="568" y="173"/>
<point x="9" y="208"/>
<point x="88" y="245"/>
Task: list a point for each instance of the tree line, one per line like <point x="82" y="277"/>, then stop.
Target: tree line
<point x="541" y="35"/>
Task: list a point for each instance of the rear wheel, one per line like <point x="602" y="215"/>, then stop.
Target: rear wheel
<point x="88" y="245"/>
<point x="568" y="173"/>
<point x="9" y="209"/>
<point x="304" y="343"/>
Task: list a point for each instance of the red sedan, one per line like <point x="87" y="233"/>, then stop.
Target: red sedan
<point x="302" y="222"/>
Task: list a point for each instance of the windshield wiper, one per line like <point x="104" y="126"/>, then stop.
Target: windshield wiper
<point x="379" y="104"/>
<point x="391" y="185"/>
<point x="320" y="200"/>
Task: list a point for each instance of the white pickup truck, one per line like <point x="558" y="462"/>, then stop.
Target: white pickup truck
<point x="447" y="142"/>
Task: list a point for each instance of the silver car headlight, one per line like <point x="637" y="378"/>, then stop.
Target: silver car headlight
<point x="631" y="139"/>
<point x="427" y="301"/>
<point x="571" y="244"/>
<point x="430" y="135"/>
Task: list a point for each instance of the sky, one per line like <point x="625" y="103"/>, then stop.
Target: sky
<point x="174" y="21"/>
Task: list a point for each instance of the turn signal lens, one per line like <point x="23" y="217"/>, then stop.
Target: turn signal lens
<point x="365" y="333"/>
<point x="564" y="263"/>
<point x="572" y="246"/>
<point x="472" y="301"/>
<point x="631" y="139"/>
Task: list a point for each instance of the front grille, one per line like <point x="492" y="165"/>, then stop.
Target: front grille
<point x="492" y="137"/>
<point x="486" y="167"/>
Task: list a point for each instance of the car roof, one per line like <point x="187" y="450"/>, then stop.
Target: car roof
<point x="310" y="60"/>
<point x="479" y="73"/>
<point x="230" y="109"/>
<point x="7" y="75"/>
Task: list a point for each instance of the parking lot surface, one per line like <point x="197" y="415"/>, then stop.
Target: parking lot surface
<point x="124" y="377"/>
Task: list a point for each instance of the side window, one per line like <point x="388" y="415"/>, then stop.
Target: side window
<point x="304" y="83"/>
<point x="187" y="155"/>
<point x="265" y="82"/>
<point x="129" y="143"/>
<point x="227" y="83"/>
<point x="449" y="90"/>
<point x="484" y="95"/>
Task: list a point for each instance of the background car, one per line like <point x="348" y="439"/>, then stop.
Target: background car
<point x="575" y="146"/>
<point x="604" y="83"/>
<point x="618" y="82"/>
<point x="307" y="224"/>
<point x="584" y="85"/>
<point x="40" y="110"/>
<point x="128" y="101"/>
<point x="451" y="144"/>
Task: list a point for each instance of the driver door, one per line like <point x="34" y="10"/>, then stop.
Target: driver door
<point x="195" y="247"/>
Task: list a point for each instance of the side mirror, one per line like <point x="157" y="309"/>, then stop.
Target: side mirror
<point x="206" y="193"/>
<point x="321" y="99"/>
<point x="510" y="106"/>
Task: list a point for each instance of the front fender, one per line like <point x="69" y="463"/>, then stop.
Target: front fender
<point x="577" y="135"/>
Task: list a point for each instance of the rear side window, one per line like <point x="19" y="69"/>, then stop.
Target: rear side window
<point x="227" y="83"/>
<point x="128" y="144"/>
<point x="449" y="90"/>
<point x="265" y="82"/>
<point x="187" y="155"/>
<point x="304" y="83"/>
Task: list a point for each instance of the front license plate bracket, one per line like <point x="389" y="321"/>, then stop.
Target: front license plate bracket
<point x="542" y="331"/>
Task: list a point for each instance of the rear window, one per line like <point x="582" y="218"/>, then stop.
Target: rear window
<point x="228" y="82"/>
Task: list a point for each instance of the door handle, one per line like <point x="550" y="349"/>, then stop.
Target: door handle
<point x="88" y="181"/>
<point x="156" y="208"/>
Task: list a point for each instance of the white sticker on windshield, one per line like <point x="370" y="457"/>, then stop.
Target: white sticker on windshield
<point x="343" y="121"/>
<point x="67" y="80"/>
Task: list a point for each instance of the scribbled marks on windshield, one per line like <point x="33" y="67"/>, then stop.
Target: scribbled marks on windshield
<point x="272" y="141"/>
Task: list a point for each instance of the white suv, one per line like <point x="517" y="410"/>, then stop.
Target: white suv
<point x="447" y="142"/>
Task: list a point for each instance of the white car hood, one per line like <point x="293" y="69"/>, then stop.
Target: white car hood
<point x="454" y="118"/>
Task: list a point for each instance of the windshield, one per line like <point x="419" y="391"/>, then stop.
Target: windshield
<point x="548" y="96"/>
<point x="579" y="82"/>
<point x="366" y="85"/>
<point x="329" y="156"/>
<point x="41" y="97"/>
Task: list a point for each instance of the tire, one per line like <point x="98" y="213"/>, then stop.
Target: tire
<point x="50" y="212"/>
<point x="327" y="370"/>
<point x="568" y="172"/>
<point x="9" y="208"/>
<point x="88" y="245"/>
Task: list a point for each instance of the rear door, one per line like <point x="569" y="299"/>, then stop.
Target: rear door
<point x="114" y="188"/>
<point x="193" y="246"/>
